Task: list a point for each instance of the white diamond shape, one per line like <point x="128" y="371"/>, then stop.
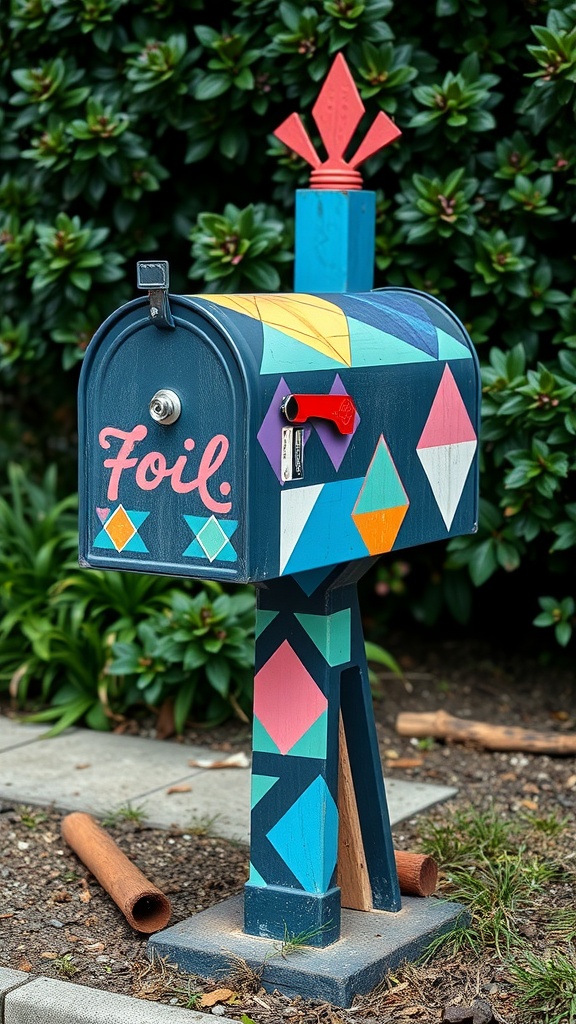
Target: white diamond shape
<point x="447" y="467"/>
<point x="223" y="535"/>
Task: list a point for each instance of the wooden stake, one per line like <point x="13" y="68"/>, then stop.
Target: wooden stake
<point x="352" y="875"/>
<point x="441" y="725"/>
<point x="417" y="874"/>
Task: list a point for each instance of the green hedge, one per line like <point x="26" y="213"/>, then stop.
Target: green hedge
<point x="136" y="128"/>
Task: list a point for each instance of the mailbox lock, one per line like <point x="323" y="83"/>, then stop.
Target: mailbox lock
<point x="165" y="407"/>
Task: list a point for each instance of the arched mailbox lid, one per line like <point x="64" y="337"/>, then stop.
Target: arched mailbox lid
<point x="245" y="484"/>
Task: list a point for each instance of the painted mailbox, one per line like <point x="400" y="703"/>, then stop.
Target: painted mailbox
<point x="312" y="430"/>
<point x="288" y="441"/>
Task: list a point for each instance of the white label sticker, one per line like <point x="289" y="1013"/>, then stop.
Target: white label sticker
<point x="292" y="463"/>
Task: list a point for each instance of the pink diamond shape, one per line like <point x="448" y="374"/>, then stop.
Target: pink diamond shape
<point x="287" y="701"/>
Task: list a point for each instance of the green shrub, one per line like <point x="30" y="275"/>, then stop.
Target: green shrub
<point x="129" y="129"/>
<point x="96" y="646"/>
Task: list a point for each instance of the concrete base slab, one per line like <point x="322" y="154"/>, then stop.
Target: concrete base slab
<point x="370" y="945"/>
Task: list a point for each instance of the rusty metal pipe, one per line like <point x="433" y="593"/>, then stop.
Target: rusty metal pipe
<point x="144" y="906"/>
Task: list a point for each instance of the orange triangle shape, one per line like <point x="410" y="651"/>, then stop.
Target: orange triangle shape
<point x="380" y="529"/>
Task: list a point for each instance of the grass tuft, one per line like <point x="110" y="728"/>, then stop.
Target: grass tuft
<point x="546" y="986"/>
<point x="127" y="812"/>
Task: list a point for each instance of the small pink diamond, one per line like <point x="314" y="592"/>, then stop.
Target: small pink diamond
<point x="287" y="701"/>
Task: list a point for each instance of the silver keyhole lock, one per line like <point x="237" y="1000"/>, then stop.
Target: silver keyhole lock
<point x="165" y="407"/>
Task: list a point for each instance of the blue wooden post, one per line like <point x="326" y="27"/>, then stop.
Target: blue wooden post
<point x="309" y="632"/>
<point x="335" y="240"/>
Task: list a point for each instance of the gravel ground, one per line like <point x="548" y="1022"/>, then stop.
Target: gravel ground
<point x="56" y="920"/>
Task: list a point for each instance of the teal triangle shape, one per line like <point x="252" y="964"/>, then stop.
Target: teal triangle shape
<point x="330" y="633"/>
<point x="137" y="518"/>
<point x="310" y="579"/>
<point x="382" y="486"/>
<point x="261" y="740"/>
<point x="196" y="522"/>
<point x="449" y="348"/>
<point x="135" y="543"/>
<point x="255" y="878"/>
<point x="314" y="741"/>
<point x="372" y="347"/>
<point x="283" y="354"/>
<point x="261" y="784"/>
<point x="102" y="540"/>
<point x="228" y="526"/>
<point x="263" y="619"/>
<point x="228" y="554"/>
<point x="195" y="550"/>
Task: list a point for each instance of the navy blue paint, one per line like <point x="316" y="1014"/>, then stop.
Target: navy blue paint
<point x="129" y="359"/>
<point x="275" y="913"/>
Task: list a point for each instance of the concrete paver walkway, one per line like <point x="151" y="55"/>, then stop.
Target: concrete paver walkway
<point x="100" y="772"/>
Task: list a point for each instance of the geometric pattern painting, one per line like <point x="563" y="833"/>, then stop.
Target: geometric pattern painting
<point x="382" y="502"/>
<point x="316" y="525"/>
<point x="287" y="701"/>
<point x="120" y="529"/>
<point x="310" y="332"/>
<point x="335" y="443"/>
<point x="304" y="837"/>
<point x="212" y="539"/>
<point x="270" y="433"/>
<point x="447" y="446"/>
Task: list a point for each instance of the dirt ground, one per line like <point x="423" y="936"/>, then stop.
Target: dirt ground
<point x="57" y="921"/>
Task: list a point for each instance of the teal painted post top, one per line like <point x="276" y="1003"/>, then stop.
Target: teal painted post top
<point x="335" y="217"/>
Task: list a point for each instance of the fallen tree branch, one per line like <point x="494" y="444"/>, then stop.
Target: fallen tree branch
<point x="441" y="725"/>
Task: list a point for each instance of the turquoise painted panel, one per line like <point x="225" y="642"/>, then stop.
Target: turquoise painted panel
<point x="334" y="240"/>
<point x="372" y="347"/>
<point x="306" y="837"/>
<point x="261" y="784"/>
<point x="330" y="633"/>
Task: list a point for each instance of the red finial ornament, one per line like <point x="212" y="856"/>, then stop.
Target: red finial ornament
<point x="337" y="114"/>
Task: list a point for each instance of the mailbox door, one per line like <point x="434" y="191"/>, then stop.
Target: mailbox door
<point x="156" y="497"/>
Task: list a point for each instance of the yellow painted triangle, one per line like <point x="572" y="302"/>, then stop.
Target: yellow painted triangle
<point x="310" y="320"/>
<point x="238" y="303"/>
<point x="306" y="318"/>
<point x="380" y="529"/>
